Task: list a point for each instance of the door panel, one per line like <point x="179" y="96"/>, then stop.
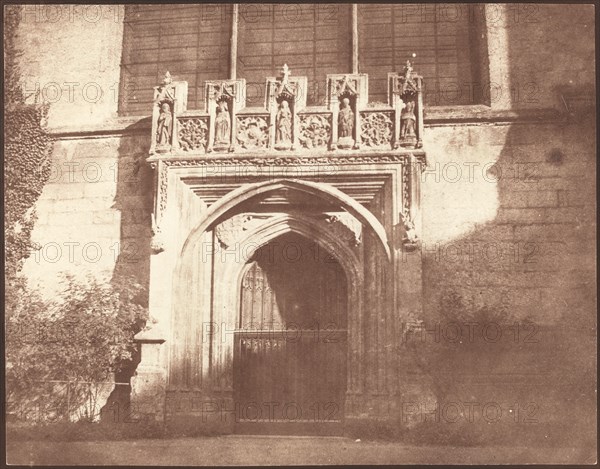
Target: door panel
<point x="290" y="353"/>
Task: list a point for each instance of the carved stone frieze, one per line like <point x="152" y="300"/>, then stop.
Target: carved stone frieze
<point x="193" y="133"/>
<point x="286" y="123"/>
<point x="305" y="160"/>
<point x="315" y="130"/>
<point x="253" y="132"/>
<point x="377" y="128"/>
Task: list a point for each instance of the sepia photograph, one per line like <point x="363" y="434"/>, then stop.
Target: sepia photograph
<point x="292" y="234"/>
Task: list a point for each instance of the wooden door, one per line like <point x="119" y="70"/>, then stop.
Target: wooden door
<point x="290" y="354"/>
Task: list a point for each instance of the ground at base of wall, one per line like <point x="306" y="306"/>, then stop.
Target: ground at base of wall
<point x="279" y="450"/>
<point x="426" y="434"/>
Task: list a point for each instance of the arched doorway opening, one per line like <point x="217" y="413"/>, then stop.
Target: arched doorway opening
<point x="290" y="347"/>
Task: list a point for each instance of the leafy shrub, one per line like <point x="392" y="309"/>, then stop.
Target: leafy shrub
<point x="83" y="337"/>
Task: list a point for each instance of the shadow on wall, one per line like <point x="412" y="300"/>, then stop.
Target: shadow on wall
<point x="134" y="199"/>
<point x="509" y="302"/>
<point x="510" y="306"/>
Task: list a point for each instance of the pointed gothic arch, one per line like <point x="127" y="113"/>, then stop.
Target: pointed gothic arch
<point x="320" y="190"/>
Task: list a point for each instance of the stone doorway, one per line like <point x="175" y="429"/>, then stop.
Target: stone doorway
<point x="291" y="340"/>
<point x="191" y="356"/>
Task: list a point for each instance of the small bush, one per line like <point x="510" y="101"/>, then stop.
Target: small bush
<point x="84" y="337"/>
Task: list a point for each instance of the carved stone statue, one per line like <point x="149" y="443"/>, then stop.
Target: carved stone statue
<point x="222" y="125"/>
<point x="346" y="119"/>
<point x="345" y="125"/>
<point x="283" y="125"/>
<point x="408" y="80"/>
<point x="164" y="125"/>
<point x="410" y="238"/>
<point x="408" y="136"/>
<point x="166" y="90"/>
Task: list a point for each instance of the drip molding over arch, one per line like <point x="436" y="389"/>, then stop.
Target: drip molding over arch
<point x="320" y="190"/>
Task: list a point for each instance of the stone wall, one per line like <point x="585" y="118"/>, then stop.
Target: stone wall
<point x="67" y="64"/>
<point x="94" y="213"/>
<point x="509" y="272"/>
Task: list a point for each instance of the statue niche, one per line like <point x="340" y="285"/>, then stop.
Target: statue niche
<point x="408" y="136"/>
<point x="164" y="127"/>
<point x="410" y="87"/>
<point x="283" y="126"/>
<point x="345" y="124"/>
<point x="222" y="127"/>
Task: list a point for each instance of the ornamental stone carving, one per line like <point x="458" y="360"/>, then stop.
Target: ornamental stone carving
<point x="164" y="125"/>
<point x="193" y="134"/>
<point x="345" y="226"/>
<point x="283" y="126"/>
<point x="410" y="238"/>
<point x="166" y="90"/>
<point x="164" y="97"/>
<point x="222" y="126"/>
<point x="305" y="160"/>
<point x="346" y="124"/>
<point x="347" y="85"/>
<point x="157" y="243"/>
<point x="286" y="123"/>
<point x="407" y="97"/>
<point x="377" y="129"/>
<point x="285" y="96"/>
<point x="315" y="130"/>
<point x="231" y="230"/>
<point x="253" y="132"/>
<point x="170" y="99"/>
<point x="224" y="99"/>
<point x="408" y="136"/>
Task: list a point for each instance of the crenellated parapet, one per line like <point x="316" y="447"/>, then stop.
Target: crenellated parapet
<point x="285" y="123"/>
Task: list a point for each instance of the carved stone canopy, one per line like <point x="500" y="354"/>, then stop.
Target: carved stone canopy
<point x="408" y="83"/>
<point x="348" y="86"/>
<point x="286" y="87"/>
<point x="223" y="91"/>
